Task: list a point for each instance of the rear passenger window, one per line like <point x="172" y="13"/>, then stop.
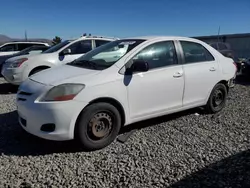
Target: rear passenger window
<point x="195" y="53"/>
<point x="100" y="42"/>
<point x="22" y="46"/>
<point x="158" y="55"/>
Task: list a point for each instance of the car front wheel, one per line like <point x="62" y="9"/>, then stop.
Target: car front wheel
<point x="98" y="126"/>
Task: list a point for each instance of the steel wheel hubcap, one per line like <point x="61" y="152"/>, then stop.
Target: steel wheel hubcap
<point x="218" y="97"/>
<point x="100" y="125"/>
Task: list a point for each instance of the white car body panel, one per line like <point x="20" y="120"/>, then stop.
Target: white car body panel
<point x="199" y="76"/>
<point x="143" y="96"/>
<point x="168" y="92"/>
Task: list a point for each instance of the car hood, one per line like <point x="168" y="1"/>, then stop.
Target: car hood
<point x="63" y="74"/>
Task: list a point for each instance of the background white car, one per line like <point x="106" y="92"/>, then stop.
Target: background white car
<point x="14" y="47"/>
<point x="17" y="69"/>
<point x="94" y="96"/>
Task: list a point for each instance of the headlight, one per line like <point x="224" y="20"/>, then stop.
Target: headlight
<point x="18" y="62"/>
<point x="63" y="92"/>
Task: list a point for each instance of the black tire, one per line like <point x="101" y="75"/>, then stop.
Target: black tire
<point x="217" y="99"/>
<point x="88" y="135"/>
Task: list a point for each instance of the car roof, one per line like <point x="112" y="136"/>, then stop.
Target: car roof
<point x="96" y="37"/>
<point x="33" y="42"/>
<point x="163" y="38"/>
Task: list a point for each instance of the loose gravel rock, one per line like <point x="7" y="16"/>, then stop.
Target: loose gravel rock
<point x="180" y="150"/>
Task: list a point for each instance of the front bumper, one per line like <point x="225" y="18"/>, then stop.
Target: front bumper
<point x="34" y="114"/>
<point x="231" y="82"/>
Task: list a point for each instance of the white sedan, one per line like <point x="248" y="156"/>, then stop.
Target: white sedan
<point x="91" y="98"/>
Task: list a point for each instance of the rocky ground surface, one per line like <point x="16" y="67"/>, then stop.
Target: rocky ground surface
<point x="188" y="149"/>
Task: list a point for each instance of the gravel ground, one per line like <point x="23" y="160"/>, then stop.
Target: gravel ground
<point x="180" y="150"/>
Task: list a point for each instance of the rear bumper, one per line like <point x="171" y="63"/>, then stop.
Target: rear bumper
<point x="231" y="82"/>
<point x="12" y="76"/>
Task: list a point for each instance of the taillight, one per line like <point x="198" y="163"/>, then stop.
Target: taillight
<point x="17" y="63"/>
<point x="22" y="61"/>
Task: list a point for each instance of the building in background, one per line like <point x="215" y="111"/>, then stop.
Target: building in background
<point x="239" y="43"/>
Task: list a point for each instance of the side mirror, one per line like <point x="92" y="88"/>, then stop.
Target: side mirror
<point x="138" y="66"/>
<point x="65" y="52"/>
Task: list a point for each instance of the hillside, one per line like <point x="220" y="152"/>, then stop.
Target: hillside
<point x="4" y="38"/>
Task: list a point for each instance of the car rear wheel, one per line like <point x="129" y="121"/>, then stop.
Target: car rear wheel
<point x="217" y="99"/>
<point x="98" y="126"/>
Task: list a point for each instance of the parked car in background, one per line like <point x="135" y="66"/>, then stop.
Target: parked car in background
<point x="14" y="47"/>
<point x="223" y="48"/>
<point x="246" y="68"/>
<point x="226" y="50"/>
<point x="16" y="70"/>
<point x="27" y="51"/>
<point x="123" y="82"/>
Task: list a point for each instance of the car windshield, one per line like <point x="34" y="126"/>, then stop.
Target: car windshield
<point x="106" y="55"/>
<point x="57" y="47"/>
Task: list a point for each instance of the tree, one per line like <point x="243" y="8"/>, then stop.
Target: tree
<point x="57" y="40"/>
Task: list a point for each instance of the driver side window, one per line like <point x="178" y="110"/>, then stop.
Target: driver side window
<point x="157" y="55"/>
<point x="81" y="47"/>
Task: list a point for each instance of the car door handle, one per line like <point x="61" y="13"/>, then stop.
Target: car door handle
<point x="177" y="74"/>
<point x="212" y="69"/>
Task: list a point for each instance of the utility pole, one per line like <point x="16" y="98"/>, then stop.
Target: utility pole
<point x="218" y="38"/>
<point x="26" y="38"/>
<point x="219" y="34"/>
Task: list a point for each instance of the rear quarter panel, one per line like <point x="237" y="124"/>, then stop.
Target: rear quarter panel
<point x="228" y="69"/>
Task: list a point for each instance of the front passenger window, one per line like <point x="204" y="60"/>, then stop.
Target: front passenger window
<point x="158" y="55"/>
<point x="8" y="48"/>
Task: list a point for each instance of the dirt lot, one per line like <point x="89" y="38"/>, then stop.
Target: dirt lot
<point x="180" y="150"/>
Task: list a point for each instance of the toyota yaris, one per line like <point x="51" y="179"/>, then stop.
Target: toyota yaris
<point x="123" y="82"/>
